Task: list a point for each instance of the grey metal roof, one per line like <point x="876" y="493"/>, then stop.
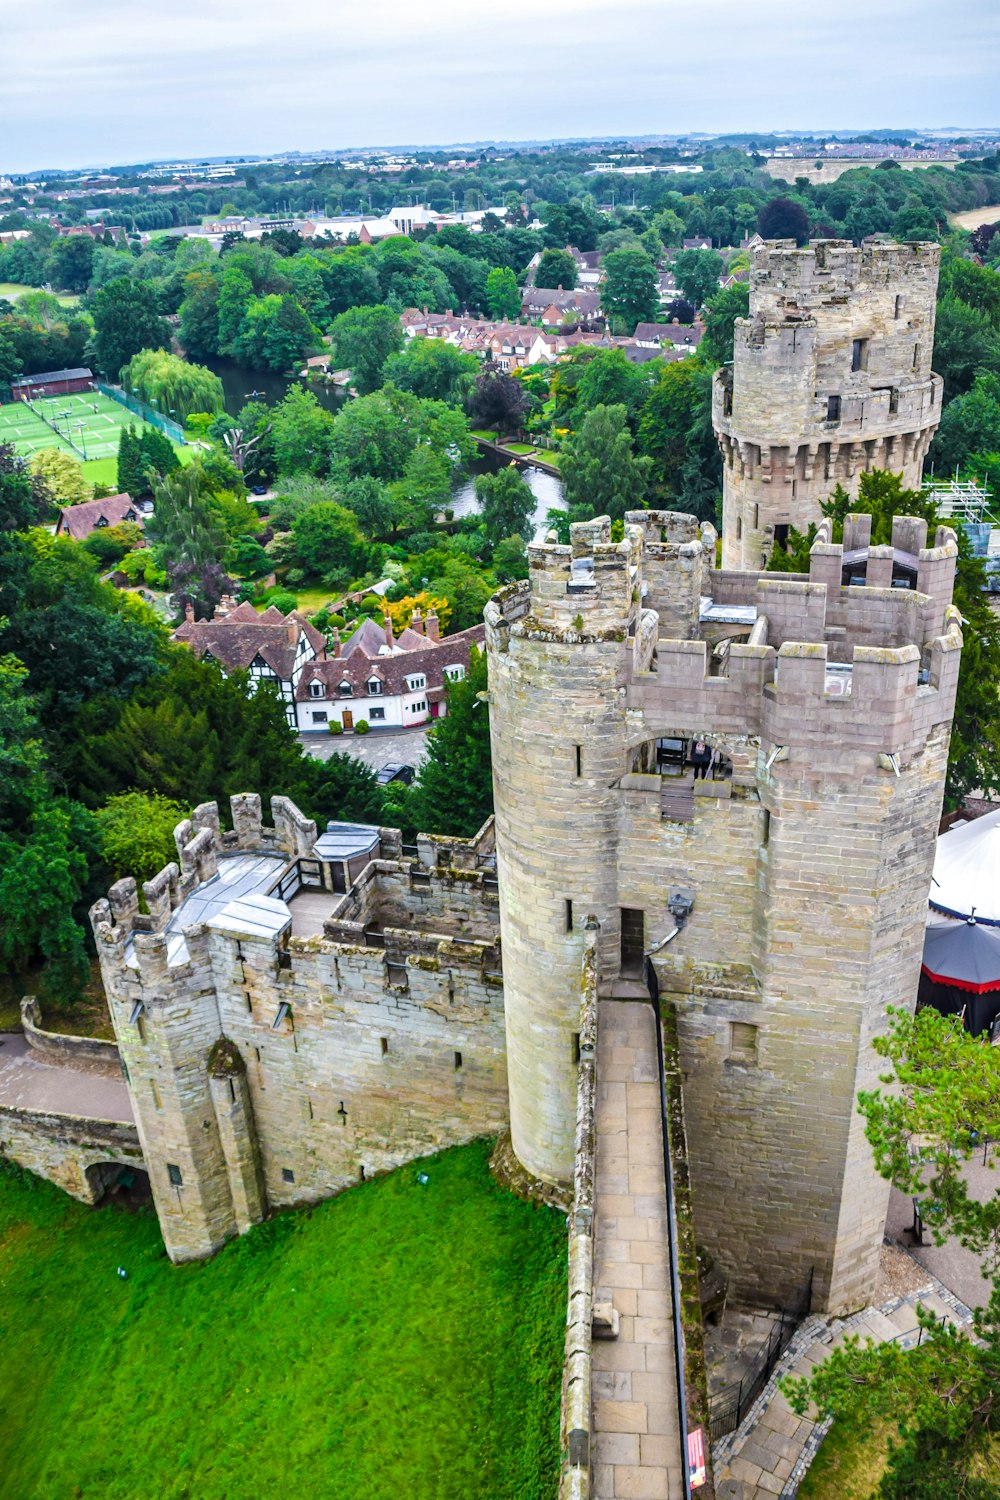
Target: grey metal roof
<point x="346" y="840"/>
<point x="239" y="876"/>
<point x="253" y="916"/>
<point x="726" y="614"/>
<point x="48" y="376"/>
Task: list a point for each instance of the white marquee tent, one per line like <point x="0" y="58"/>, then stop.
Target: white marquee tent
<point x="967" y="871"/>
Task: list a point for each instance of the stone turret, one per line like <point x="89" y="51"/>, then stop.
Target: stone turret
<point x="807" y="855"/>
<point x="831" y="377"/>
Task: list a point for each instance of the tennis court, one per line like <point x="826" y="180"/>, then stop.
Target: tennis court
<point x="28" y="432"/>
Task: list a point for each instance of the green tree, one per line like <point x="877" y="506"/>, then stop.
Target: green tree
<point x="630" y="291"/>
<point x="675" y="431"/>
<point x="503" y="296"/>
<point x="135" y="833"/>
<point x="24" y="497"/>
<point x="941" y="1401"/>
<point x="172" y="385"/>
<point x="556" y="268"/>
<point x="235" y="295"/>
<point x="199" y="315"/>
<point x="70" y="262"/>
<point x="601" y="474"/>
<point x="131" y="476"/>
<point x="329" y="543"/>
<point x="610" y="379"/>
<point x="697" y="273"/>
<point x="454" y="792"/>
<point x="275" y="334"/>
<point x="783" y="219"/>
<point x="721" y="311"/>
<point x="433" y="370"/>
<point x="363" y="339"/>
<point x="506" y="504"/>
<point x="188" y="536"/>
<point x="126" y="319"/>
<point x="300" y="433"/>
<point x="669" y="226"/>
<point x="343" y="789"/>
<point x="969" y="424"/>
<point x="61" y="474"/>
<point x="965" y="344"/>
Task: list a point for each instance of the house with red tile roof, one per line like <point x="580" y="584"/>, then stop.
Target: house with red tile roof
<point x="78" y="521"/>
<point x="383" y="679"/>
<point x="270" y="646"/>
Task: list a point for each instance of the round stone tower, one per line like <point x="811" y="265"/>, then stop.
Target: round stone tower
<point x="556" y="650"/>
<point x="831" y="376"/>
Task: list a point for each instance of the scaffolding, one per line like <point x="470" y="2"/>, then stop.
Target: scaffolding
<point x="960" y="500"/>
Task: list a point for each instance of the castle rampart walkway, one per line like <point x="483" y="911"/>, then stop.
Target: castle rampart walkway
<point x="29" y="1083"/>
<point x="637" y="1444"/>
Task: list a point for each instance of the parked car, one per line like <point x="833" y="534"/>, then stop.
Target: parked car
<point x="258" y="489"/>
<point x="396" y="771"/>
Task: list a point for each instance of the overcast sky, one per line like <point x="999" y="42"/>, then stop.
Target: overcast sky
<point x="84" y="82"/>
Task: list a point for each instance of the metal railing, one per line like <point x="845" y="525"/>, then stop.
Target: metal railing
<point x="729" y="1407"/>
<point x="172" y="429"/>
<point x="302" y="873"/>
<point x="653" y="986"/>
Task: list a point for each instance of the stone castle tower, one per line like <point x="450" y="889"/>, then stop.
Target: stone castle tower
<point x="831" y="376"/>
<point x="807" y="855"/>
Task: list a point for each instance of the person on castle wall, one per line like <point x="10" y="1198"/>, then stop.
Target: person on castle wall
<point x="701" y="758"/>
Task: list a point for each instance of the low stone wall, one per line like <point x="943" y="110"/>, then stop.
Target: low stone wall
<point x="62" y="1148"/>
<point x="60" y="1047"/>
<point x="576" y="1423"/>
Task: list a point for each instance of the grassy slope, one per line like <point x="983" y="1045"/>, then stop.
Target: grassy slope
<point x="853" y="1456"/>
<point x="401" y="1340"/>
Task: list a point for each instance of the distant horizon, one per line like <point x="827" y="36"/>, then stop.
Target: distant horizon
<point x="104" y="81"/>
<point x="842" y="132"/>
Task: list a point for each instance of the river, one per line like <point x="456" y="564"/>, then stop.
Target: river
<point x="546" y="488"/>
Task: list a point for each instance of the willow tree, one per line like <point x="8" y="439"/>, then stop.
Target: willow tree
<point x="171" y="385"/>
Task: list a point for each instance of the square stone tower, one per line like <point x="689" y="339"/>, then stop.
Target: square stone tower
<point x="806" y="849"/>
<point x="831" y="376"/>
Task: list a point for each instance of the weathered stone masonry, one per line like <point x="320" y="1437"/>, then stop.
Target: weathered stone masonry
<point x="808" y="861"/>
<point x="831" y="376"/>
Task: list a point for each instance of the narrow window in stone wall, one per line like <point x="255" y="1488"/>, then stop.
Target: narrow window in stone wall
<point x="579" y="760"/>
<point x="833" y="408"/>
<point x="765" y="833"/>
<point x="458" y="1062"/>
<point x="287" y="1175"/>
<point x="140" y="1026"/>
<point x="739" y="528"/>
<point x="756" y="517"/>
<point x="893" y="401"/>
<point x="898" y="308"/>
<point x="249" y="999"/>
<point x="916" y="355"/>
<point x="175" y="1175"/>
<point x="742" y="1041"/>
<point x="385" y="1045"/>
<point x="569" y="916"/>
<point x="157" y="1101"/>
<point x="859" y="355"/>
<point x="576" y="1047"/>
<point x="232" y="1092"/>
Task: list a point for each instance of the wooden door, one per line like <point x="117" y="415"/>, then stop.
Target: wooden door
<point x="348" y="719"/>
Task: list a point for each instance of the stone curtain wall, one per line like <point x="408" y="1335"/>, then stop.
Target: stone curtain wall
<point x="61" y="1148"/>
<point x="59" y="1046"/>
<point x="576" y="1427"/>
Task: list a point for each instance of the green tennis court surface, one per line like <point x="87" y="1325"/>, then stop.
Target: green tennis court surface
<point x="88" y="425"/>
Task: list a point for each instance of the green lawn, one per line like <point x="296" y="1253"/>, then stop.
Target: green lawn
<point x="520" y="448"/>
<point x="401" y="1340"/>
<point x="11" y="290"/>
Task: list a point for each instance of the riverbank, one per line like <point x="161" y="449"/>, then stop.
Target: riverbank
<point x="520" y="453"/>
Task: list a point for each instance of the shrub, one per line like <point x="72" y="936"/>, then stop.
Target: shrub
<point x="361" y="727"/>
<point x="281" y="599"/>
<point x="336" y="727"/>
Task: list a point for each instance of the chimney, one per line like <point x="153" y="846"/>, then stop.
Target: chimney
<point x="336" y="641"/>
<point x="416" y="620"/>
<point x="189" y="613"/>
<point x="389" y="639"/>
<point x="433" y="629"/>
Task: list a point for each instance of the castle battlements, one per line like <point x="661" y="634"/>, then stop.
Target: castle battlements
<point x="831" y="377"/>
<point x="296" y="1011"/>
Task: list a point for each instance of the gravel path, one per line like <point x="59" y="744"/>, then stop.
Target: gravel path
<point x="26" y="1082"/>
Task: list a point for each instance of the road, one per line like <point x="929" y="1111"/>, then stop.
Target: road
<point x="27" y="1082"/>
<point x="376" y="748"/>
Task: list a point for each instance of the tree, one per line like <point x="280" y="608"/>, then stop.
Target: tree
<point x="601" y="474"/>
<point x="969" y="424"/>
<point x="363" y="339"/>
<point x="454" y="792"/>
<point x="941" y="1401"/>
<point x="498" y="400"/>
<point x="172" y="385"/>
<point x="506" y="503"/>
<point x="433" y="370"/>
<point x="783" y="219"/>
<point x="669" y="226"/>
<point x="61" y="474"/>
<point x="343" y="789"/>
<point x="189" y="537"/>
<point x="130" y="474"/>
<point x="610" y="379"/>
<point x="70" y="262"/>
<point x="965" y="344"/>
<point x="328" y="541"/>
<point x="135" y="833"/>
<point x="374" y="436"/>
<point x="503" y="296"/>
<point x="721" y="311"/>
<point x="697" y="273"/>
<point x="675" y="431"/>
<point x="42" y="877"/>
<point x="556" y="268"/>
<point x="274" y="334"/>
<point x="199" y="315"/>
<point x="630" y="291"/>
<point x="24" y="497"/>
<point x="681" y="309"/>
<point x="300" y="433"/>
<point x="126" y="319"/>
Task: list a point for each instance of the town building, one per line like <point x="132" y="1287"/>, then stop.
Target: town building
<point x="552" y="306"/>
<point x="51" y="383"/>
<point x="78" y="521"/>
<point x="831" y="377"/>
<point x="383" y="680"/>
<point x="270" y="646"/>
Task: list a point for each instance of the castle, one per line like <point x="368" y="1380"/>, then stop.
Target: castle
<point x="831" y="376"/>
<point x="725" y="780"/>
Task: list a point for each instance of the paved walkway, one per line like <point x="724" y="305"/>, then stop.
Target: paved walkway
<point x="773" y="1448"/>
<point x="27" y="1082"/>
<point x="378" y="748"/>
<point x="636" y="1430"/>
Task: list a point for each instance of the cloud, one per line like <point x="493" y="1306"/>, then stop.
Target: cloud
<point x="110" y="80"/>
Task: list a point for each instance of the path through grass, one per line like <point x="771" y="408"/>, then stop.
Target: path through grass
<point x="401" y="1340"/>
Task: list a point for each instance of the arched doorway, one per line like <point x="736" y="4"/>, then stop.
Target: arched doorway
<point x="121" y="1183"/>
